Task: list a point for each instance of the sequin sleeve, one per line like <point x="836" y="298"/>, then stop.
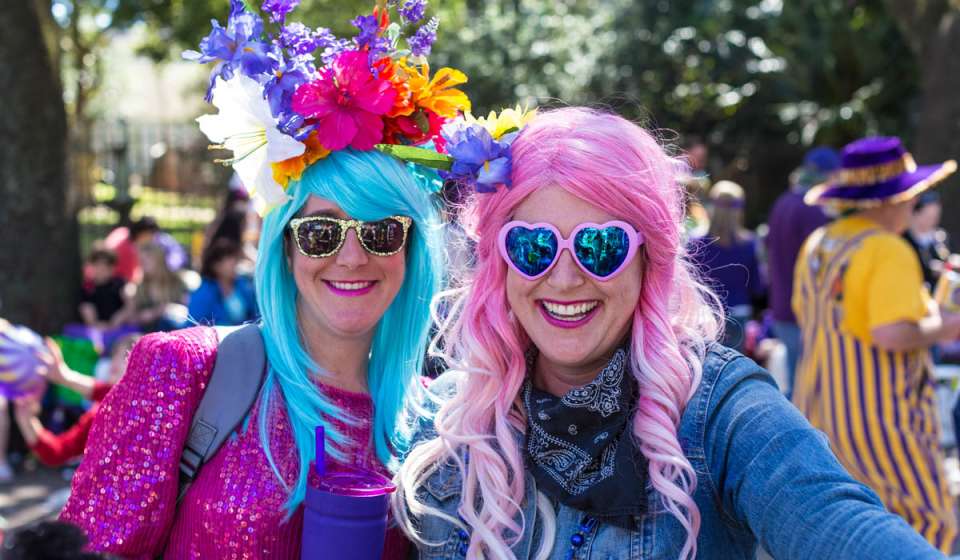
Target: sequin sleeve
<point x="124" y="492"/>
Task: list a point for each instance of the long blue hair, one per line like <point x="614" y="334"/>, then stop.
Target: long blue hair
<point x="367" y="186"/>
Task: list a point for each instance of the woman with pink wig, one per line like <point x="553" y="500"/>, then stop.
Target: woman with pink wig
<point x="589" y="411"/>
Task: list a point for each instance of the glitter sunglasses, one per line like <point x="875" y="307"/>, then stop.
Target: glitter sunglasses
<point x="601" y="250"/>
<point x="323" y="236"/>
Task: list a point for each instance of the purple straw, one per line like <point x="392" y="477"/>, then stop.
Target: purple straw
<point x="320" y="463"/>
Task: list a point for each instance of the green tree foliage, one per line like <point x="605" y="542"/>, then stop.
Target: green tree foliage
<point x="760" y="80"/>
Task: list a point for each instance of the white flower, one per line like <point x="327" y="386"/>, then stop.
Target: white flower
<point x="245" y="126"/>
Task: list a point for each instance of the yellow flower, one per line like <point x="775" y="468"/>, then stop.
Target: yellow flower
<point x="509" y="120"/>
<point x="438" y="94"/>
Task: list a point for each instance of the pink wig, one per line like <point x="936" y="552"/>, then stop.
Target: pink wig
<point x="620" y="168"/>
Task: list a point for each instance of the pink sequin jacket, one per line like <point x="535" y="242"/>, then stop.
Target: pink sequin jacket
<point x="125" y="490"/>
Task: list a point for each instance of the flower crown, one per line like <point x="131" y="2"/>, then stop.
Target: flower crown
<point x="281" y="109"/>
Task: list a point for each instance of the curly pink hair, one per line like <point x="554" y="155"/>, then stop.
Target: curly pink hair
<point x="622" y="169"/>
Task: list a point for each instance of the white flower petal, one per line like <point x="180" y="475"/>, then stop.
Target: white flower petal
<point x="245" y="123"/>
<point x="218" y="127"/>
<point x="281" y="146"/>
<point x="249" y="167"/>
<point x="269" y="191"/>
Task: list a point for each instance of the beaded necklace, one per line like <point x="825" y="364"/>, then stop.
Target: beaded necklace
<point x="587" y="525"/>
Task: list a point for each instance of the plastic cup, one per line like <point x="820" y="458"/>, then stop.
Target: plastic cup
<point x="346" y="517"/>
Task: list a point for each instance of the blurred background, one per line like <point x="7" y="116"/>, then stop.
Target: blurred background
<point x="107" y="183"/>
<point x="98" y="106"/>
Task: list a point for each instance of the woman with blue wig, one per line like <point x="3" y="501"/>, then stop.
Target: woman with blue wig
<point x="350" y="256"/>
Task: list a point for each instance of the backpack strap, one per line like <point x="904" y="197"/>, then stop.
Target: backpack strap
<point x="231" y="391"/>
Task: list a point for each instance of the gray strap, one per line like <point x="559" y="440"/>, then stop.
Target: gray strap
<point x="231" y="391"/>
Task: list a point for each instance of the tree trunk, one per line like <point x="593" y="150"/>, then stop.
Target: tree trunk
<point x="938" y="125"/>
<point x="39" y="250"/>
<point x="932" y="28"/>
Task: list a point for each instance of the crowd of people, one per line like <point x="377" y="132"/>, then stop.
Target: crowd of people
<point x="137" y="280"/>
<point x="591" y="393"/>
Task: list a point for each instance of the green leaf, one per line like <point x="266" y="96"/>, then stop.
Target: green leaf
<point x="419" y="156"/>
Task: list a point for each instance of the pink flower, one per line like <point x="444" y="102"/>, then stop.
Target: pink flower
<point x="347" y="102"/>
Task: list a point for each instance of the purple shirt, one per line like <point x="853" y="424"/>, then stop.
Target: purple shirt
<point x="732" y="272"/>
<point x="791" y="221"/>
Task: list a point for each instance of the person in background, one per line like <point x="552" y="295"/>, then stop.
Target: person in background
<point x="54" y="450"/>
<point x="223" y="298"/>
<point x="696" y="182"/>
<point x="106" y="298"/>
<point x="865" y="378"/>
<point x="159" y="304"/>
<point x="727" y="258"/>
<point x="232" y="223"/>
<point x="6" y="471"/>
<point x="124" y="242"/>
<point x="927" y="239"/>
<point x="790" y="222"/>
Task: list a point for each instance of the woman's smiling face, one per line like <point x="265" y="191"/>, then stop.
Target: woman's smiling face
<point x="574" y="320"/>
<point x="348" y="292"/>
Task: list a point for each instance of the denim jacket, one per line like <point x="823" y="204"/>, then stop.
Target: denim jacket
<point x="764" y="476"/>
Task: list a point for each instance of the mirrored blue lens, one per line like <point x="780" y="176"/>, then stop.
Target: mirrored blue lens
<point x="531" y="250"/>
<point x="602" y="251"/>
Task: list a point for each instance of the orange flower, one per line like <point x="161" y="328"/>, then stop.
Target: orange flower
<point x="403" y="103"/>
<point x="415" y="89"/>
<point x="291" y="169"/>
<point x="441" y="95"/>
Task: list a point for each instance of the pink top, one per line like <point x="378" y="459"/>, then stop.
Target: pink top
<point x="124" y="493"/>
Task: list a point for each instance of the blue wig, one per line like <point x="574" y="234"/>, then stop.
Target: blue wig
<point x="367" y="186"/>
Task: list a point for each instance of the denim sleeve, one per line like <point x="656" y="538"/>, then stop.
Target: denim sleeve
<point x="774" y="473"/>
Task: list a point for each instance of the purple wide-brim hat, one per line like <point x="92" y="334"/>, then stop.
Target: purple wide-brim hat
<point x="876" y="171"/>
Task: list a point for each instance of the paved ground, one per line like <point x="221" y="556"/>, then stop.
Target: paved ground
<point x="35" y="494"/>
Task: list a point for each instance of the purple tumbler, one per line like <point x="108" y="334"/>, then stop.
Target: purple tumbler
<point x="346" y="517"/>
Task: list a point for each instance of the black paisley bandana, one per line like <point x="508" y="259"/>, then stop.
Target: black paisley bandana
<point x="579" y="446"/>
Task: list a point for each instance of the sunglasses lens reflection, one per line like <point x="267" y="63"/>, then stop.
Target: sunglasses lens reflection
<point x="531" y="250"/>
<point x="384" y="236"/>
<point x="318" y="238"/>
<point x="602" y="251"/>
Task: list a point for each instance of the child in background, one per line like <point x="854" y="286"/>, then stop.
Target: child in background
<point x="54" y="450"/>
<point x="105" y="298"/>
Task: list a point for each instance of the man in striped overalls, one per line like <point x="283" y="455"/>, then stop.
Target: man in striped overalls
<point x="868" y="324"/>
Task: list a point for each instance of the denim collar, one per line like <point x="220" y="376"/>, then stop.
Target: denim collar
<point x="580" y="449"/>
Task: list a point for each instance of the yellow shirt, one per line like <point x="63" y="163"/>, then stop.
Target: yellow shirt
<point x="883" y="284"/>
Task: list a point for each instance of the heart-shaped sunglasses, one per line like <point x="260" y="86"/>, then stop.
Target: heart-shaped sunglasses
<point x="601" y="250"/>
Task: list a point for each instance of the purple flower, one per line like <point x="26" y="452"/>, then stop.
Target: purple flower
<point x="413" y="10"/>
<point x="368" y="26"/>
<point x="379" y="48"/>
<point x="333" y="50"/>
<point x="292" y="124"/>
<point x="278" y="9"/>
<point x="287" y="76"/>
<point x="300" y="40"/>
<point x="422" y="41"/>
<point x="237" y="46"/>
<point x="479" y="161"/>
